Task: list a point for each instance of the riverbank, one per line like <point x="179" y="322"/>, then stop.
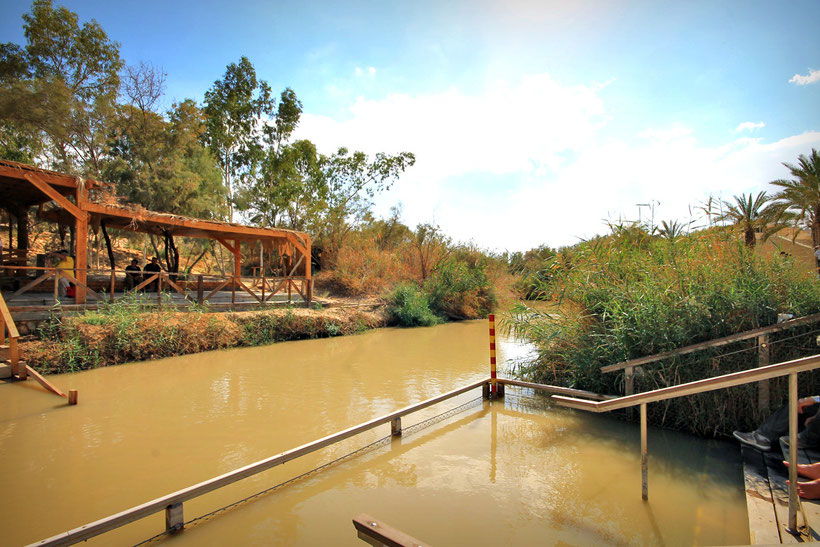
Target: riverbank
<point x="125" y="333"/>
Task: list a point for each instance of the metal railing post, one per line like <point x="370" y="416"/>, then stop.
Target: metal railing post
<point x="395" y="427"/>
<point x="794" y="500"/>
<point x="763" y="357"/>
<point x="644" y="457"/>
<point x="174" y="521"/>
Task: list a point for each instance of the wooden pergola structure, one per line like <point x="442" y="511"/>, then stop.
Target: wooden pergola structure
<point x="23" y="186"/>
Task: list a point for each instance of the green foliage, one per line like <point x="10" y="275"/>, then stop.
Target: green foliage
<point x="625" y="297"/>
<point x="460" y="289"/>
<point x="801" y="195"/>
<point x="61" y="88"/>
<point x="410" y="307"/>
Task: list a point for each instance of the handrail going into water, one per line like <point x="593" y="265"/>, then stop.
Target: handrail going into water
<point x="790" y="368"/>
<point x="172" y="503"/>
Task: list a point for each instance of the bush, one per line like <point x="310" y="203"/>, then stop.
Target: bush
<point x="410" y="307"/>
<point x="459" y="289"/>
<point x="623" y="298"/>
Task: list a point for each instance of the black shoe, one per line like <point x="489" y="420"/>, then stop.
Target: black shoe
<point x="754" y="439"/>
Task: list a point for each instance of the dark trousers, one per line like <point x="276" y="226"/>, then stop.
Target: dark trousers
<point x="777" y="425"/>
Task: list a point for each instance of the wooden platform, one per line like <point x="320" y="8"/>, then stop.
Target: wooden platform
<point x="767" y="498"/>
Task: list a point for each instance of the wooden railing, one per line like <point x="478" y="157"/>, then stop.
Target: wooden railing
<point x="380" y="534"/>
<point x="20" y="370"/>
<point x="172" y="503"/>
<point x="266" y="287"/>
<point x="762" y="335"/>
<point x="788" y="368"/>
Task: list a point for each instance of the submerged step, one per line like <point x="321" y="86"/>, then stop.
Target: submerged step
<point x="5" y="371"/>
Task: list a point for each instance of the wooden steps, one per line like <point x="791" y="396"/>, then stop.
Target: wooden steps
<point x="767" y="498"/>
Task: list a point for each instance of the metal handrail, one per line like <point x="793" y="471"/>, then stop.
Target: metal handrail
<point x="172" y="503"/>
<point x="787" y="368"/>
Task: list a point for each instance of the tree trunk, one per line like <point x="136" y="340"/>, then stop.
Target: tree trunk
<point x="22" y="228"/>
<point x="108" y="245"/>
<point x="750" y="237"/>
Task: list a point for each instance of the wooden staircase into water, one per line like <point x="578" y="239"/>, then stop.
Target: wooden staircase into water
<point x="11" y="366"/>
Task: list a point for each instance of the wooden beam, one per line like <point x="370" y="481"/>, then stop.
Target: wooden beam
<point x="227" y="245"/>
<point x="56" y="196"/>
<point x="247" y="290"/>
<point x="32" y="284"/>
<point x="81" y="250"/>
<point x="376" y="532"/>
<point x="45" y="383"/>
<point x="122" y="518"/>
<point x="714" y="343"/>
<point x="52" y="178"/>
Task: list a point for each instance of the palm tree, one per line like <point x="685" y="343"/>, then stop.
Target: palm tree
<point x="801" y="195"/>
<point x="754" y="214"/>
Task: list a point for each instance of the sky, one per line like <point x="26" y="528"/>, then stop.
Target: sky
<point x="533" y="122"/>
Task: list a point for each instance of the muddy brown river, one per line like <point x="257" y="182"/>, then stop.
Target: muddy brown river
<point x="513" y="472"/>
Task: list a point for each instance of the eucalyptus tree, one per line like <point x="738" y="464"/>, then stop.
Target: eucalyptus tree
<point x="801" y="195"/>
<point x="234" y="110"/>
<point x="62" y="86"/>
<point x="753" y="215"/>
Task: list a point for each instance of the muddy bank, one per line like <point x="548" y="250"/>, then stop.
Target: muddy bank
<point x="102" y="339"/>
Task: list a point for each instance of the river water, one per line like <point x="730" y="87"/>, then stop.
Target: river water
<point x="509" y="472"/>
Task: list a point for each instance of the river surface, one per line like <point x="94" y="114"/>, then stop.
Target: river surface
<point x="513" y="472"/>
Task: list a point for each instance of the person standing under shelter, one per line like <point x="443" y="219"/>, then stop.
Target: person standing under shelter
<point x="66" y="264"/>
<point x="133" y="275"/>
<point x="150" y="269"/>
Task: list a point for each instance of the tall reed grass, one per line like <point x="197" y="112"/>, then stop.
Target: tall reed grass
<point x="631" y="294"/>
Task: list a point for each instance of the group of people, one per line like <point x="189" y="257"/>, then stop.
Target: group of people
<point x="776" y="428"/>
<point x="134" y="275"/>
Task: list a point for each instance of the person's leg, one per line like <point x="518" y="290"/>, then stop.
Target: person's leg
<point x="811" y="435"/>
<point x="775" y="425"/>
<point x="63" y="284"/>
<point x="807" y="470"/>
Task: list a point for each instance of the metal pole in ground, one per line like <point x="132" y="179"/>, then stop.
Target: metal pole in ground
<point x="793" y="498"/>
<point x="494" y="386"/>
<point x="644" y="456"/>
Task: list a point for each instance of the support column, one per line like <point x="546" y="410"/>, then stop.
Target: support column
<point x="81" y="243"/>
<point x="237" y="269"/>
<point x="395" y="427"/>
<point x="494" y="384"/>
<point x="763" y="357"/>
<point x="794" y="500"/>
<point x="174" y="521"/>
<point x="308" y="279"/>
<point x="644" y="456"/>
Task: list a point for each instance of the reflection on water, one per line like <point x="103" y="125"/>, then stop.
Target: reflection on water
<point x="513" y="471"/>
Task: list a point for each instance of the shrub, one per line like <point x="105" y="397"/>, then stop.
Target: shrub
<point x="410" y="307"/>
<point x="460" y="289"/>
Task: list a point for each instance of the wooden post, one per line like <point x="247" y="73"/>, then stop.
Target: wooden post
<point x="794" y="500"/>
<point x="81" y="244"/>
<point x="72" y="396"/>
<point x="289" y="290"/>
<point x="159" y="288"/>
<point x="200" y="289"/>
<point x="500" y="393"/>
<point x="307" y="271"/>
<point x="485" y="390"/>
<point x="493" y="376"/>
<point x="14" y="357"/>
<point x="237" y="269"/>
<point x="173" y="518"/>
<point x="763" y="356"/>
<point x="395" y="427"/>
<point x="644" y="457"/>
<point x="629" y="387"/>
<point x="57" y="286"/>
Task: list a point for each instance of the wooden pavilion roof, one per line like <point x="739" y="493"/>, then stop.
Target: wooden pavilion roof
<point x="27" y="186"/>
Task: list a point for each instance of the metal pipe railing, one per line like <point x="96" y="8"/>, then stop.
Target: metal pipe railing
<point x="172" y="503"/>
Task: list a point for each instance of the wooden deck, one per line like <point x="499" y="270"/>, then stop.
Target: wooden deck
<point x="767" y="498"/>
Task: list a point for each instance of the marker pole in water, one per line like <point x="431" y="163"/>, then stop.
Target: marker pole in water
<point x="494" y="385"/>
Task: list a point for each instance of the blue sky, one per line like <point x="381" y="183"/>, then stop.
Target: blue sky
<point x="532" y="122"/>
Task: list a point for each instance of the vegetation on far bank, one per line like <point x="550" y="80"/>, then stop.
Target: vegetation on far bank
<point x="632" y="294"/>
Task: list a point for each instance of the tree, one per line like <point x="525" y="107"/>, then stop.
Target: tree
<point x="752" y="215"/>
<point x="801" y="195"/>
<point x="63" y="86"/>
<point x="352" y="181"/>
<point x="432" y="247"/>
<point x="234" y="107"/>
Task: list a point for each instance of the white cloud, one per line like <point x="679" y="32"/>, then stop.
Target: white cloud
<point x="749" y="126"/>
<point x="371" y="70"/>
<point x="810" y="78"/>
<point x="526" y="163"/>
<point x="359" y="71"/>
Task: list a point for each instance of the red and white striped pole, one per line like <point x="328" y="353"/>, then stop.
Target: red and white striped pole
<point x="494" y="385"/>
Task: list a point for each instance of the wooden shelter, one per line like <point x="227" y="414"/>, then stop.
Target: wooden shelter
<point x="79" y="203"/>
